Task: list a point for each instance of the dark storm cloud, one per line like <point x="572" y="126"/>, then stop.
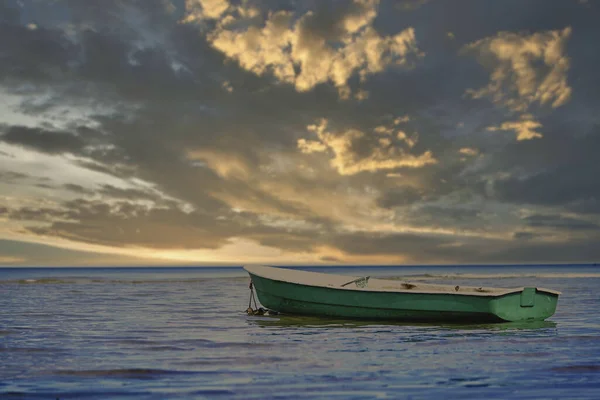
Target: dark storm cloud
<point x="76" y="188"/>
<point x="401" y="244"/>
<point x="430" y="215"/>
<point x="36" y="214"/>
<point x="125" y="224"/>
<point x="326" y="22"/>
<point x="9" y="12"/>
<point x="42" y="140"/>
<point x="530" y="252"/>
<point x="415" y="247"/>
<point x="330" y="259"/>
<point x="128" y="194"/>
<point x="12" y="176"/>
<point x="472" y="20"/>
<point x="33" y="55"/>
<point x="399" y="197"/>
<point x="422" y="249"/>
<point x="562" y="170"/>
<point x="104" y="60"/>
<point x="559" y="222"/>
<point x="122" y="224"/>
<point x="524" y="235"/>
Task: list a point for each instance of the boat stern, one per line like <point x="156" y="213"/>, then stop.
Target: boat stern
<point x="530" y="304"/>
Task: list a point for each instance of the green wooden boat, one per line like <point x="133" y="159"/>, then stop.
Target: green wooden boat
<point x="291" y="291"/>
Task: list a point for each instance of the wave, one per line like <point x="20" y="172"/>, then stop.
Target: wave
<point x="578" y="369"/>
<point x="75" y="394"/>
<point x="95" y="280"/>
<point x="121" y="373"/>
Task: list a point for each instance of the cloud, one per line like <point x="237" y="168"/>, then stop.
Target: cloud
<point x="205" y="9"/>
<point x="311" y="146"/>
<point x="76" y="188"/>
<point x="128" y="193"/>
<point x="468" y="151"/>
<point x="12" y="176"/>
<point x="524" y="128"/>
<point x="225" y="165"/>
<point x="410" y="5"/>
<point x="525" y="69"/>
<point x="401" y="248"/>
<point x="315" y="48"/>
<point x="399" y="197"/>
<point x="8" y="13"/>
<point x="561" y="171"/>
<point x="354" y="151"/>
<point x="7" y="260"/>
<point x="527" y="73"/>
<point x="19" y="253"/>
<point x="123" y="224"/>
<point x="43" y="140"/>
<point x="560" y="222"/>
<point x="524" y="235"/>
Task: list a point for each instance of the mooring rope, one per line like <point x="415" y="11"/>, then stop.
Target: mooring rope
<point x="256" y="310"/>
<point x="252" y="298"/>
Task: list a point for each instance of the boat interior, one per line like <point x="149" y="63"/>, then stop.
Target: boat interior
<point x="366" y="283"/>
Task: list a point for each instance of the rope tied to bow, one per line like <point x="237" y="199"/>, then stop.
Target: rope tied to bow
<point x="252" y="298"/>
<point x="256" y="310"/>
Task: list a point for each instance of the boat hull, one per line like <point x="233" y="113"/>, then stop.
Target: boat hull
<point x="294" y="298"/>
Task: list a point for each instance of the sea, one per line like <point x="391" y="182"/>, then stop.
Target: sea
<point x="183" y="333"/>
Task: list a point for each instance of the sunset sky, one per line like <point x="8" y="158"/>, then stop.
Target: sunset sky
<point x="299" y="132"/>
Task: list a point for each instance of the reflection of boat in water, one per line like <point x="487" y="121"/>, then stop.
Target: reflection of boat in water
<point x="303" y="321"/>
<point x="310" y="293"/>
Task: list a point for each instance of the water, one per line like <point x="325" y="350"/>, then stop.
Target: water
<point x="157" y="333"/>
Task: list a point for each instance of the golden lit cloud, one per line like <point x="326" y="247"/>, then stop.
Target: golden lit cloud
<point x="8" y="260"/>
<point x="330" y="253"/>
<point x="468" y="151"/>
<point x="201" y="9"/>
<point x="401" y="120"/>
<point x="525" y="69"/>
<point x="354" y="151"/>
<point x="524" y="128"/>
<point x="223" y="164"/>
<point x="296" y="53"/>
<point x="410" y="141"/>
<point x="311" y="146"/>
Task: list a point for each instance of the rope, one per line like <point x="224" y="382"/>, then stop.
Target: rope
<point x="252" y="298"/>
<point x="360" y="282"/>
<point x="256" y="310"/>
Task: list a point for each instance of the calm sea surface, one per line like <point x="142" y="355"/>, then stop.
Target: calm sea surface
<point x="160" y="333"/>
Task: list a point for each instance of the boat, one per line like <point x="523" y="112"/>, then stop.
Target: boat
<point x="297" y="292"/>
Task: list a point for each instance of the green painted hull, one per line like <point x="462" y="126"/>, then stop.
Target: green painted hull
<point x="294" y="298"/>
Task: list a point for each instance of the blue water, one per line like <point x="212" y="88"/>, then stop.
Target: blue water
<point x="157" y="333"/>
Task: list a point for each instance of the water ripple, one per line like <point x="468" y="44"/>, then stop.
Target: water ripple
<point x="158" y="335"/>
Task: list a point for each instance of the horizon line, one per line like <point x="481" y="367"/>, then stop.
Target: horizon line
<point x="231" y="265"/>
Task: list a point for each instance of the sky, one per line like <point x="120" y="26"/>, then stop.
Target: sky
<point x="208" y="132"/>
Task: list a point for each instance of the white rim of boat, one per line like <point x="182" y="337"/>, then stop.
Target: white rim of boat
<point x="334" y="281"/>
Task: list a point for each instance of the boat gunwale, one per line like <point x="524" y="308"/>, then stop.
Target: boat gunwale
<point x="506" y="291"/>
